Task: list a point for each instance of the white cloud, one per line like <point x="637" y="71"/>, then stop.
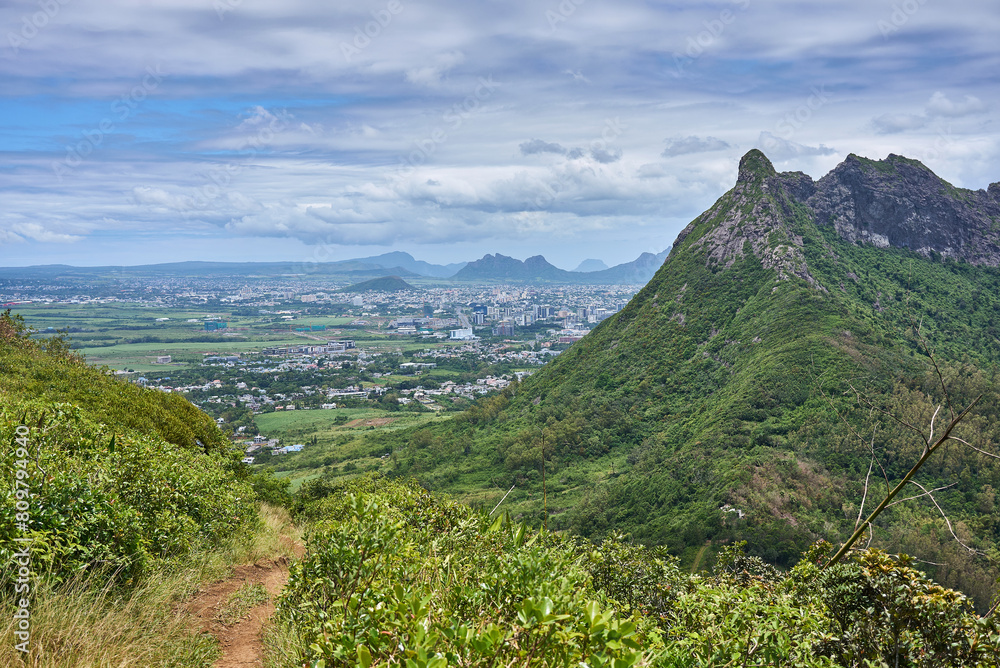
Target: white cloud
<point x="777" y="148"/>
<point x="687" y="145"/>
<point x="940" y="105"/>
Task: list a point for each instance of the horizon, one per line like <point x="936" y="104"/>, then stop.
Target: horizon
<point x="283" y="261"/>
<point x="237" y="131"/>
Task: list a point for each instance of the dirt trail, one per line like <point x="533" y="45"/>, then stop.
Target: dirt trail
<point x="242" y="642"/>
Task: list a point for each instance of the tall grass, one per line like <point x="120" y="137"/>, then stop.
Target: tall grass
<point x="90" y="622"/>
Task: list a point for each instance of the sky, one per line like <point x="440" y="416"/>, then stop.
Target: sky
<point x="143" y="131"/>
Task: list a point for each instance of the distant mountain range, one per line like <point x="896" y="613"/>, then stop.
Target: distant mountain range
<point x="384" y="284"/>
<point x="536" y="269"/>
<point x="591" y="265"/>
<point x="403" y="265"/>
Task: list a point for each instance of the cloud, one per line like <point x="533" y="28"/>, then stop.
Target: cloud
<point x="687" y="145"/>
<point x="940" y="105"/>
<point x="539" y="146"/>
<point x="36" y="232"/>
<point x="888" y="124"/>
<point x="430" y="75"/>
<point x="651" y="171"/>
<point x="606" y="156"/>
<point x="777" y="148"/>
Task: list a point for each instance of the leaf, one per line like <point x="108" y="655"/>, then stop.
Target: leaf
<point x="364" y="657"/>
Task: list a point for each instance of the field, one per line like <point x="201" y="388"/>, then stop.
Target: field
<point x="340" y="445"/>
<point x="130" y="336"/>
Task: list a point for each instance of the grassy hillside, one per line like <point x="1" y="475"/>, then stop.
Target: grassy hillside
<point x="722" y="402"/>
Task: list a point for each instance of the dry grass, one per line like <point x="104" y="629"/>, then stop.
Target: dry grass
<point x="84" y="623"/>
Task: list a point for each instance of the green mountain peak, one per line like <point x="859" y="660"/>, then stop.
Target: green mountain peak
<point x="754" y="166"/>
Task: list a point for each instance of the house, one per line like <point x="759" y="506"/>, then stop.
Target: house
<point x="247" y="460"/>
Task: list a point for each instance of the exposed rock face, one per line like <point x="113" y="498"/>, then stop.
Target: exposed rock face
<point x="894" y="202"/>
<point x="901" y="203"/>
<point x="755" y="211"/>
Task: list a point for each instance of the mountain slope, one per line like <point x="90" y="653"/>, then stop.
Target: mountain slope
<point x="119" y="476"/>
<point x="716" y="405"/>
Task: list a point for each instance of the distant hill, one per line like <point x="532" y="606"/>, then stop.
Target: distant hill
<point x="419" y="267"/>
<point x="537" y="269"/>
<point x="383" y="284"/>
<point x="591" y="265"/>
<point x="502" y="267"/>
<point x="345" y="268"/>
<point x="487" y="269"/>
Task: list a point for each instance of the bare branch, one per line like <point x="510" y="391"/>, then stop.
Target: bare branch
<point x="982" y="452"/>
<point x="930" y="438"/>
<point x="864" y="496"/>
<point x="972" y="550"/>
<point x="910" y="498"/>
<point x="944" y="438"/>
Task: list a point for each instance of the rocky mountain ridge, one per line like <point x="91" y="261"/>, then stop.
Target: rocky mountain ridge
<point x="896" y="202"/>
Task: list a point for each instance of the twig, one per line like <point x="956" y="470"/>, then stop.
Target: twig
<point x="501" y="501"/>
<point x="910" y="498"/>
<point x="945" y="437"/>
<point x="946" y="520"/>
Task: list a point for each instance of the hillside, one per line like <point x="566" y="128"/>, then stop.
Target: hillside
<point x="718" y="405"/>
<point x="381" y="284"/>
<point x="120" y="476"/>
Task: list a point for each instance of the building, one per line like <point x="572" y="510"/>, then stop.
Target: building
<point x="464" y="334"/>
<point x="163" y="359"/>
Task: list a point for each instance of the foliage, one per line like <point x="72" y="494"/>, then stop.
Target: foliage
<point x="116" y="479"/>
<point x="396" y="576"/>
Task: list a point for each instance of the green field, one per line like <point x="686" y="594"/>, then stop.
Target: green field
<point x="341" y="439"/>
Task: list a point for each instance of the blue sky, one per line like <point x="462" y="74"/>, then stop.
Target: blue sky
<point x="137" y="131"/>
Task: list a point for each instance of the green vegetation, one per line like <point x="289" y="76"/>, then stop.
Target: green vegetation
<point x="126" y="498"/>
<point x="396" y="576"/>
<point x="241" y="602"/>
<point x="718" y="406"/>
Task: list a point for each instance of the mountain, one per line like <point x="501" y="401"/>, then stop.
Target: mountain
<point x="591" y="265"/>
<point x="537" y="269"/>
<point x="502" y="267"/>
<point x="722" y="403"/>
<point x="638" y="271"/>
<point x="347" y="268"/>
<point x="419" y="267"/>
<point x="383" y="284"/>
